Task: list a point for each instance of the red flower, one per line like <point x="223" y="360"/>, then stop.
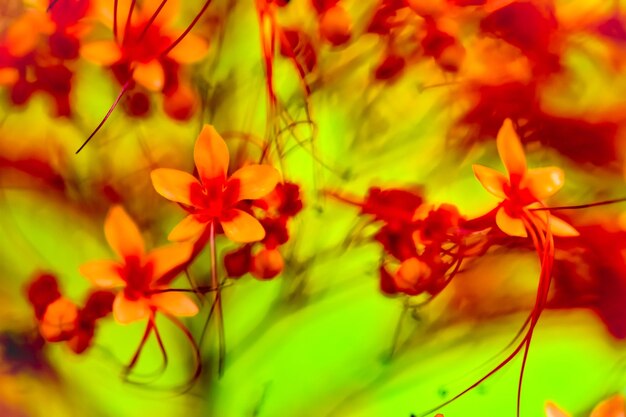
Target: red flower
<point x="143" y="276"/>
<point x="524" y="188"/>
<point x="214" y="197"/>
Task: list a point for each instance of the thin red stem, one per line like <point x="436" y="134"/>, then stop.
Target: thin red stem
<point x="106" y="117"/>
<point x="218" y="301"/>
<point x="188" y="29"/>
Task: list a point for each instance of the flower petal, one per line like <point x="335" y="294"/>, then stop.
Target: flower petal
<point x="173" y="184"/>
<point x="122" y="233"/>
<point x="553" y="411"/>
<point x="166" y="258"/>
<point x="492" y="180"/>
<point x="190" y="50"/>
<point x="211" y="155"/>
<point x="126" y="311"/>
<point x="22" y="35"/>
<point x="103" y="53"/>
<point x="254" y="181"/>
<point x="150" y="75"/>
<point x="511" y="150"/>
<point x="544" y="182"/>
<point x="241" y="227"/>
<point x="8" y="76"/>
<point x="105" y="10"/>
<point x="510" y="225"/>
<point x="105" y="274"/>
<point x="168" y="13"/>
<point x="188" y="229"/>
<point x="611" y="407"/>
<point x="174" y="303"/>
<point x="59" y="320"/>
<point x="560" y="227"/>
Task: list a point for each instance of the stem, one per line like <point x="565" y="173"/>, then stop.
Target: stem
<point x="218" y="301"/>
<point x="135" y="357"/>
<point x="106" y="117"/>
<point x="580" y="206"/>
<point x="396" y="333"/>
<point x="186" y="32"/>
<point x="115" y="6"/>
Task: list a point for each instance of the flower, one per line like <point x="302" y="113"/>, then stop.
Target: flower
<point x="143" y="276"/>
<point x="523" y="190"/>
<point x="214" y="197"/>
<point x="611" y="407"/>
<point x="144" y="49"/>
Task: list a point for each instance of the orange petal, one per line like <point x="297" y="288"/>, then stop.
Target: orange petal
<point x="168" y="13"/>
<point x="126" y="311"/>
<point x="105" y="9"/>
<point x="241" y="227"/>
<point x="544" y="182"/>
<point x="553" y="411"/>
<point x="611" y="407"/>
<point x="105" y="274"/>
<point x="174" y="303"/>
<point x="255" y="181"/>
<point x="173" y="184"/>
<point x="510" y="225"/>
<point x="122" y="233"/>
<point x="211" y="154"/>
<point x="492" y="180"/>
<point x="511" y="150"/>
<point x="8" y="76"/>
<point x="21" y="38"/>
<point x="59" y="318"/>
<point x="188" y="229"/>
<point x="411" y="272"/>
<point x="166" y="258"/>
<point x="103" y="53"/>
<point x="150" y="75"/>
<point x="190" y="50"/>
<point x="561" y="228"/>
<point x="335" y="25"/>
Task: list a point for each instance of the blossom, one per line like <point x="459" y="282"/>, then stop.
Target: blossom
<point x="144" y="49"/>
<point x="213" y="198"/>
<point x="144" y="276"/>
<point x="523" y="190"/>
<point x="611" y="407"/>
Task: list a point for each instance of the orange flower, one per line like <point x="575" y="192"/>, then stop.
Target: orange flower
<point x="611" y="407"/>
<point x="523" y="190"/>
<point x="144" y="40"/>
<point x="213" y="198"/>
<point x="143" y="275"/>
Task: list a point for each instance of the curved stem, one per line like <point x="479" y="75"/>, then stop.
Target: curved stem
<point x="144" y="339"/>
<point x="218" y="301"/>
<point x="188" y="29"/>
